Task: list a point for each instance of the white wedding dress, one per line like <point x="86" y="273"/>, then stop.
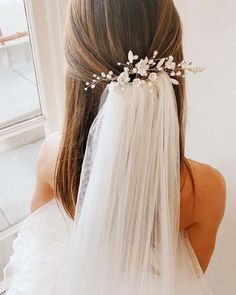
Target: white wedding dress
<point x="41" y="250"/>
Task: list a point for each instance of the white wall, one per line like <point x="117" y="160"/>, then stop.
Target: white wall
<point x="210" y="40"/>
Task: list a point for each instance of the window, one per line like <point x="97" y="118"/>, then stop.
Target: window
<point x="18" y="87"/>
<point x="31" y="103"/>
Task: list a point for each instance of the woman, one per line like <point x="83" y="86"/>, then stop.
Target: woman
<point x="145" y="217"/>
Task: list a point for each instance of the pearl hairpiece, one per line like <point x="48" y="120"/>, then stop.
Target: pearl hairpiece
<point x="145" y="69"/>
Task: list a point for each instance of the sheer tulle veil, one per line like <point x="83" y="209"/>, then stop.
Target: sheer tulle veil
<point x="126" y="228"/>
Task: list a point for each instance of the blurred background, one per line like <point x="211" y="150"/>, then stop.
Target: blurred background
<point x="210" y="41"/>
<point x="19" y="103"/>
<point x="32" y="104"/>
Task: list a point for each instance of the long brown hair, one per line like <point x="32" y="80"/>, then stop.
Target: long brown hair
<point x="98" y="34"/>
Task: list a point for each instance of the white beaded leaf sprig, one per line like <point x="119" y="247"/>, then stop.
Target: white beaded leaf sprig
<point x="145" y="69"/>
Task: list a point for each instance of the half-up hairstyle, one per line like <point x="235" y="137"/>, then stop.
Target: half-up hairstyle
<point x="98" y="34"/>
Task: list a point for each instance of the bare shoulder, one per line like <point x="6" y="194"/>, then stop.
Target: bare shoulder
<point x="48" y="156"/>
<point x="45" y="167"/>
<point x="210" y="192"/>
<point x="210" y="195"/>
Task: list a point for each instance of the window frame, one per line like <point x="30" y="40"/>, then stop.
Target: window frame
<point x="45" y="24"/>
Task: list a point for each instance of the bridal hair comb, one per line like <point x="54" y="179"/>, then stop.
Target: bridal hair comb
<point x="145" y="69"/>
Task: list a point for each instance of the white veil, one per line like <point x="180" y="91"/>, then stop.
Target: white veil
<point x="126" y="228"/>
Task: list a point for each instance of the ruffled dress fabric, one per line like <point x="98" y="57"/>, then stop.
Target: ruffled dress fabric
<point x="39" y="251"/>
